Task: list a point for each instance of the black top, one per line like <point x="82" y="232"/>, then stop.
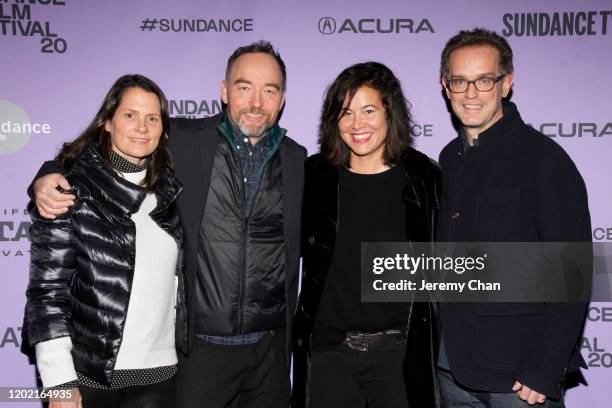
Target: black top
<point x="370" y="210"/>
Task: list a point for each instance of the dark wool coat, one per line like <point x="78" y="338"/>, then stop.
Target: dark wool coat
<point x="516" y="186"/>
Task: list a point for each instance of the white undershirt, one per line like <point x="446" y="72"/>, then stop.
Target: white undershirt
<point x="148" y="334"/>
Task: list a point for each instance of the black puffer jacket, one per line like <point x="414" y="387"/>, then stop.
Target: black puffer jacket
<point x="82" y="264"/>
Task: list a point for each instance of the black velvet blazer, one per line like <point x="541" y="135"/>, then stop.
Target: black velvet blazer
<point x="319" y="222"/>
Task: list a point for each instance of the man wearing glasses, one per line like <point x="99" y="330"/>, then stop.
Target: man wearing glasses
<point x="504" y="182"/>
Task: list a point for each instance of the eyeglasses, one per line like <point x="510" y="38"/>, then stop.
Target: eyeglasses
<point x="482" y="84"/>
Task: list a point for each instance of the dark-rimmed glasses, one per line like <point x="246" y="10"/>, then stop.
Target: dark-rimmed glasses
<point x="482" y="84"/>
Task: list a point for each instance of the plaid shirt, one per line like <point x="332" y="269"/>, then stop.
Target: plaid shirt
<point x="251" y="159"/>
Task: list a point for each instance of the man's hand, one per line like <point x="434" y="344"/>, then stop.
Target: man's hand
<point x="76" y="402"/>
<point x="527" y="394"/>
<point x="49" y="201"/>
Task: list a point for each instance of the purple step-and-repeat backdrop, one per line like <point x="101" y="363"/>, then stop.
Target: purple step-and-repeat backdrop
<point x="59" y="57"/>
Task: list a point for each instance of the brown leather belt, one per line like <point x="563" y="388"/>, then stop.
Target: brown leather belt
<point x="366" y="341"/>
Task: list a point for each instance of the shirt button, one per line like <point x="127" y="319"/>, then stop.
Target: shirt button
<point x="455" y="215"/>
<point x="238" y="147"/>
<point x="245" y="179"/>
<point x="250" y="153"/>
<point x="246" y="139"/>
<point x="311" y="240"/>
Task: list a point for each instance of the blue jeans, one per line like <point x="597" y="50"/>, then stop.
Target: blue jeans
<point x="457" y="396"/>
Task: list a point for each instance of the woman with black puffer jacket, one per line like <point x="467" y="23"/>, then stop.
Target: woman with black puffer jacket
<point x="105" y="304"/>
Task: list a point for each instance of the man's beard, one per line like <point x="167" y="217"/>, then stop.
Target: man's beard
<point x="254" y="132"/>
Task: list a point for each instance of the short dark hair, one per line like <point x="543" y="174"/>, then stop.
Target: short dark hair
<point x="399" y="121"/>
<point x="477" y="36"/>
<point x="264" y="47"/>
<point x="161" y="159"/>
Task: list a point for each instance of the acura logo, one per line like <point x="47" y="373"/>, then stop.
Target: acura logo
<point x="327" y="25"/>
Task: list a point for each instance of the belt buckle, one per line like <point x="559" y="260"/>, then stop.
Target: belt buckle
<point x="357" y="341"/>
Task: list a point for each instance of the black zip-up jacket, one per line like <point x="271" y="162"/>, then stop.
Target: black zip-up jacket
<point x="82" y="264"/>
<point x="240" y="285"/>
<point x="319" y="220"/>
<point x="194" y="143"/>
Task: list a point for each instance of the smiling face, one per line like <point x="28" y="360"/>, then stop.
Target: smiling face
<point x="477" y="110"/>
<point x="363" y="126"/>
<point x="136" y="126"/>
<point x="253" y="93"/>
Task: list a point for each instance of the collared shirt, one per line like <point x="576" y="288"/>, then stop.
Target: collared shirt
<point x="252" y="158"/>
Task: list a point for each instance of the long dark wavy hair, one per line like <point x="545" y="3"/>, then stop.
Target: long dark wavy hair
<point x="160" y="160"/>
<point x="341" y="92"/>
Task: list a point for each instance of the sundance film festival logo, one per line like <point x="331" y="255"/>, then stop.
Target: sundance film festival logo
<point x="558" y="24"/>
<point x="425" y="130"/>
<point x="14" y="233"/>
<point x="596" y="353"/>
<point x="10" y="337"/>
<point x="16" y="20"/>
<point x="602" y="234"/>
<point x="16" y="128"/>
<point x="600" y="314"/>
<point x="188" y="108"/>
<point x="328" y="26"/>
